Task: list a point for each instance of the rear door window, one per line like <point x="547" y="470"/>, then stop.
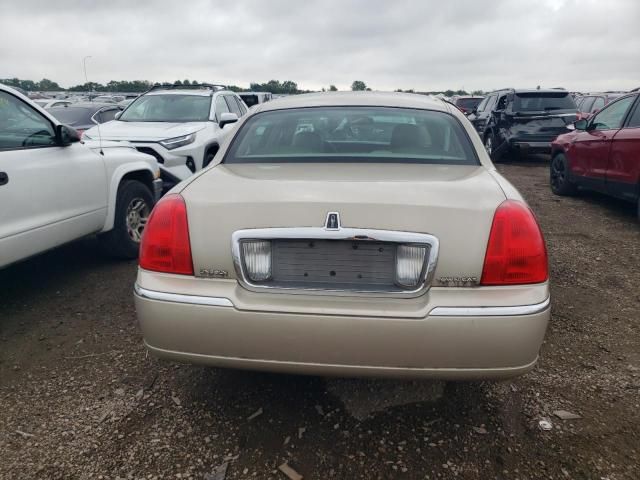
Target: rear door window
<point x="233" y="105"/>
<point x="221" y="106"/>
<point x="352" y="135"/>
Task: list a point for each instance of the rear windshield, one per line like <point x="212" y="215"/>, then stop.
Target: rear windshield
<point x="468" y="103"/>
<point x="543" y="101"/>
<point x="352" y="134"/>
<point x="168" y="108"/>
<point x="72" y="115"/>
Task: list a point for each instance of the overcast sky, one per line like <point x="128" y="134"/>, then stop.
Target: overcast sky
<point x="420" y="44"/>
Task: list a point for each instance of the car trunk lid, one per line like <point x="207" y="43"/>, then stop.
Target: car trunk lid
<point x="454" y="203"/>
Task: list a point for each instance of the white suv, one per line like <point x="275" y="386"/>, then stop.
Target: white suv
<point x="181" y="125"/>
<point x="53" y="189"/>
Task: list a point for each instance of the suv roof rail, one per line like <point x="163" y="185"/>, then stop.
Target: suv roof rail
<point x="179" y="86"/>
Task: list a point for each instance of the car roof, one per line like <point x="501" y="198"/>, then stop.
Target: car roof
<point x="353" y="99"/>
<point x="530" y="90"/>
<point x="86" y="106"/>
<point x="185" y="91"/>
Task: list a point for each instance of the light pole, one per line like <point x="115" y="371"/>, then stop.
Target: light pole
<point x="84" y="65"/>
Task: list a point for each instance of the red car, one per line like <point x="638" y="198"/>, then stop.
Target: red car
<point x="602" y="153"/>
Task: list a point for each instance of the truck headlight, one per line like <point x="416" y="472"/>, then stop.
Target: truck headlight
<point x="410" y="264"/>
<point x="256" y="255"/>
<point x="176" y="142"/>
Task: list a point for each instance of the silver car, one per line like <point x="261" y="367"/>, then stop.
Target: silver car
<point x="351" y="234"/>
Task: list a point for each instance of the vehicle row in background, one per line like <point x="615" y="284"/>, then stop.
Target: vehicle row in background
<point x="255" y="98"/>
<point x="522" y="121"/>
<point x="54" y="189"/>
<point x="84" y="115"/>
<point x="591" y="103"/>
<point x="601" y="153"/>
<point x="467" y="103"/>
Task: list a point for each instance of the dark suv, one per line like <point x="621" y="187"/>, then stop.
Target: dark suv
<point x="513" y="120"/>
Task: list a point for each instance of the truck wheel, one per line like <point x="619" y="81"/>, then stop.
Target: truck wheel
<point x="559" y="176"/>
<point x="134" y="203"/>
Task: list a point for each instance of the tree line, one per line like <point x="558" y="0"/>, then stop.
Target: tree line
<point x="286" y="87"/>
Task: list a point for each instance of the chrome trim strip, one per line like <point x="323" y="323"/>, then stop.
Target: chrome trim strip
<point x="314" y="233"/>
<point x="178" y="298"/>
<point x="490" y="311"/>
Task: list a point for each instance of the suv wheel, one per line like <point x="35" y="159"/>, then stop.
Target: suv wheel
<point x="490" y="146"/>
<point x="133" y="207"/>
<point x="559" y="176"/>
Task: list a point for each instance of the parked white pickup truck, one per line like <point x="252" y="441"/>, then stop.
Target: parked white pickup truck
<point x="54" y="189"/>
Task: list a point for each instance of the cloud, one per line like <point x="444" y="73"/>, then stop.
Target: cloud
<point x="421" y="44"/>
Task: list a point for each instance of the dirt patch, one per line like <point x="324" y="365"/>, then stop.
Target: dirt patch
<point x="80" y="398"/>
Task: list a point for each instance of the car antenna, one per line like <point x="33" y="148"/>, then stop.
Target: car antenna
<point x="86" y="79"/>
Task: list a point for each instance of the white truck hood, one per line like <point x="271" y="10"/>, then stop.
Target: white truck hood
<point x="143" y="131"/>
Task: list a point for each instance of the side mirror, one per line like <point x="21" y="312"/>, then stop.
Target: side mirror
<point x="227" y="118"/>
<point x="581" y="124"/>
<point x="66" y="135"/>
<point x="118" y="115"/>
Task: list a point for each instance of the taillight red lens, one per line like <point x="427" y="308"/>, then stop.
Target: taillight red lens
<point x="165" y="245"/>
<point x="516" y="253"/>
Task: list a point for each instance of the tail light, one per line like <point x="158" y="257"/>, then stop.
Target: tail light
<point x="516" y="253"/>
<point x="165" y="245"/>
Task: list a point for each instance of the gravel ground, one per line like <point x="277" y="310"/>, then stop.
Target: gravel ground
<point x="80" y="398"/>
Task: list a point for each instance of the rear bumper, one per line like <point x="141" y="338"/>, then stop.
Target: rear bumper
<point x="448" y="343"/>
<point x="531" y="146"/>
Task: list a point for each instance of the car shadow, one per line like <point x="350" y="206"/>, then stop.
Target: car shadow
<point x="615" y="206"/>
<point x="53" y="270"/>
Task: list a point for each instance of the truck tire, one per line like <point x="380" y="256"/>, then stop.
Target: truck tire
<point x="134" y="203"/>
<point x="559" y="179"/>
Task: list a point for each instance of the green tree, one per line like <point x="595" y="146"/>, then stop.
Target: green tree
<point x="47" y="85"/>
<point x="358" y="86"/>
<point x="333" y="88"/>
<point x="477" y="92"/>
<point x="186" y="82"/>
